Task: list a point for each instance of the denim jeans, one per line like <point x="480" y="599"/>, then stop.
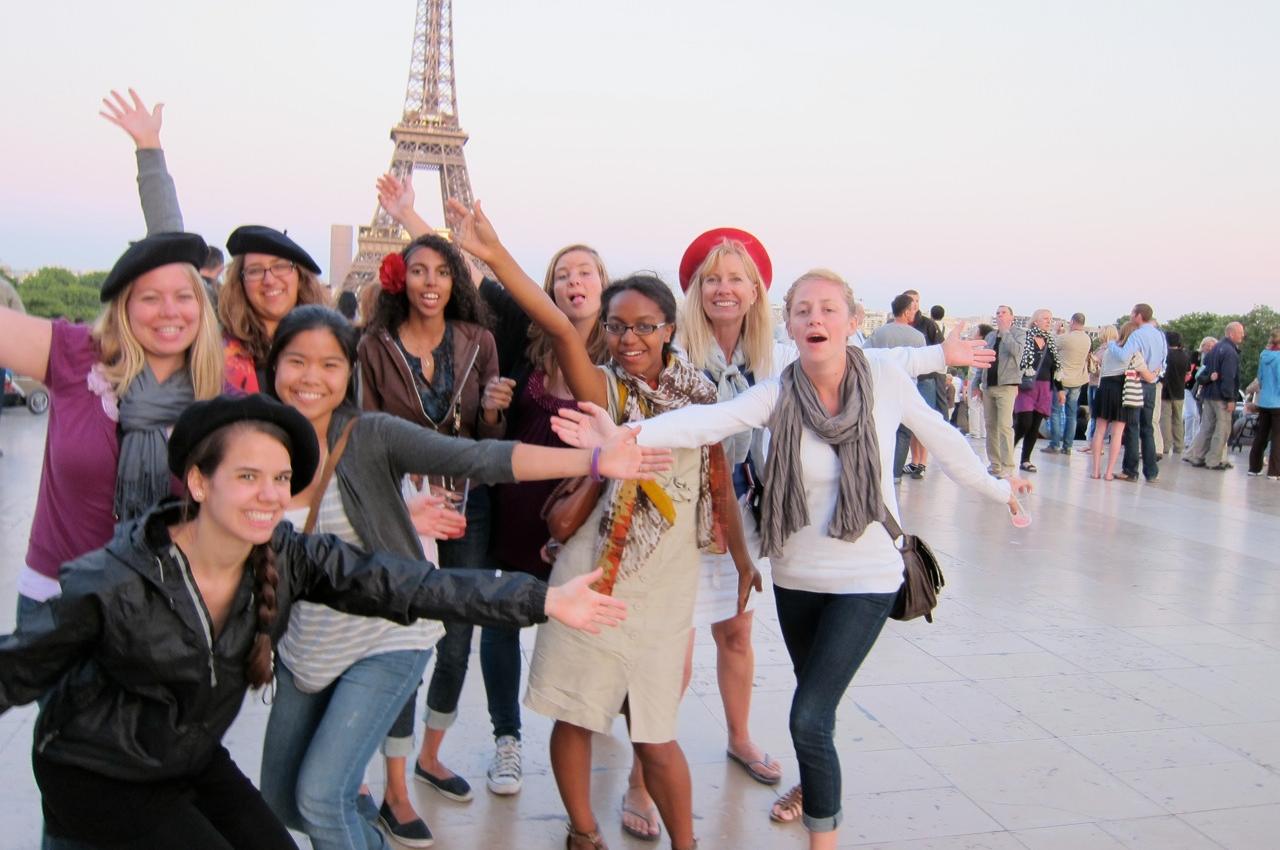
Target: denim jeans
<point x="318" y="745"/>
<point x="1062" y="425"/>
<point x="453" y="650"/>
<point x="500" y="664"/>
<point x="827" y="636"/>
<point x="1140" y="432"/>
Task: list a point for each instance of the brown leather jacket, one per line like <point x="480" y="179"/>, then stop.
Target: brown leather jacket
<point x="387" y="383"/>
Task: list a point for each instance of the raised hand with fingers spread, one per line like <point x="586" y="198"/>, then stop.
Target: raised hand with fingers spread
<point x="132" y="116"/>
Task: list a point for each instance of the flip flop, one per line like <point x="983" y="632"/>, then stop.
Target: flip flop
<point x="755" y="772"/>
<point x="650" y="819"/>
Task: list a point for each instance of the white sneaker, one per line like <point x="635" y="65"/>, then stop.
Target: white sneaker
<point x="505" y="774"/>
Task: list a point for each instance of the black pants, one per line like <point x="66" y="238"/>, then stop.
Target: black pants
<point x="215" y="809"/>
<point x="1267" y="431"/>
<point x="1026" y="427"/>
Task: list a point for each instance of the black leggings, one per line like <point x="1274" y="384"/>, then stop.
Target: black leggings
<point x="215" y="809"/>
<point x="1026" y="427"/>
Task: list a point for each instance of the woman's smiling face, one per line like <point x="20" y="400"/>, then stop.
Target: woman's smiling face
<point x="428" y="282"/>
<point x="312" y="373"/>
<point x="638" y="354"/>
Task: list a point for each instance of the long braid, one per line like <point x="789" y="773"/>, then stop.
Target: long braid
<point x="265" y="578"/>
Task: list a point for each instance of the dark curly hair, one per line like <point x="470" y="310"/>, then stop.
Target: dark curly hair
<point x="464" y="302"/>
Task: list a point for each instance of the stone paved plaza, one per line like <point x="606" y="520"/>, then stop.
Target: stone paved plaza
<point x="1108" y="678"/>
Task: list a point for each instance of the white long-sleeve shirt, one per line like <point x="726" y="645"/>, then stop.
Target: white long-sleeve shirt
<point x="810" y="559"/>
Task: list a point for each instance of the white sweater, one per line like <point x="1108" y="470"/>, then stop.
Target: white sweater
<point x="811" y="560"/>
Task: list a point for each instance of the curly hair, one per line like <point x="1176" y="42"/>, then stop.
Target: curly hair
<point x="464" y="302"/>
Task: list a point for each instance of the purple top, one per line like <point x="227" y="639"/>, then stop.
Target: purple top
<point x="74" y="508"/>
<point x="518" y="546"/>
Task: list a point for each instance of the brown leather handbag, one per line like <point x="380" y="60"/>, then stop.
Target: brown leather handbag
<point x="569" y="505"/>
<point x="921" y="576"/>
<point x="573" y="499"/>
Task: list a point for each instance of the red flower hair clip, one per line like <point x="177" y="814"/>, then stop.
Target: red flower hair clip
<point x="392" y="273"/>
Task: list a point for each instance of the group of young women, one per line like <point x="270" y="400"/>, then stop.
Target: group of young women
<point x="388" y="443"/>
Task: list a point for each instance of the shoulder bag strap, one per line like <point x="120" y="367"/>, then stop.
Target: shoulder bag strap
<point x="313" y="515"/>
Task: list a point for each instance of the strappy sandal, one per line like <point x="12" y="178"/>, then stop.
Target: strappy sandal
<point x="576" y="840"/>
<point x="1027" y="466"/>
<point x="789" y="807"/>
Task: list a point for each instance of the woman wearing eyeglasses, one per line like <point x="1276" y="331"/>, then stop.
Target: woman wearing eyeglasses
<point x="646" y="538"/>
<point x="269" y="273"/>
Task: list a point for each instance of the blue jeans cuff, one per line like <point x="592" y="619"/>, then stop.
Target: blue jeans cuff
<point x="439" y="719"/>
<point x="828" y="824"/>
<point x="397" y="747"/>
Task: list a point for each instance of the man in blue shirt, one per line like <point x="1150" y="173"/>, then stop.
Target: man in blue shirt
<point x="1148" y="340"/>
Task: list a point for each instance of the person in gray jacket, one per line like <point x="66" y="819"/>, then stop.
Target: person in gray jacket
<point x="998" y="387"/>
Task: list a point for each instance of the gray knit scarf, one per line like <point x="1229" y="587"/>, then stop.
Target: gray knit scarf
<point x="147" y="410"/>
<point x="851" y="433"/>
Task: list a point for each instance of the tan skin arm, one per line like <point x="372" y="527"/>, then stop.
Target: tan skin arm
<point x="25" y="342"/>
<point x="475" y="234"/>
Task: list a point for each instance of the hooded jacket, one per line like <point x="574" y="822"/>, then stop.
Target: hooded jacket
<point x="138" y="686"/>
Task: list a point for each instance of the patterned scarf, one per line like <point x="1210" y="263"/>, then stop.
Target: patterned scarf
<point x="147" y="411"/>
<point x="640" y="512"/>
<point x="1028" y="361"/>
<point x="851" y="433"/>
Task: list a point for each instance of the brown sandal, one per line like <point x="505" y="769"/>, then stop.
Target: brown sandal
<point x="789" y="807"/>
<point x="576" y="840"/>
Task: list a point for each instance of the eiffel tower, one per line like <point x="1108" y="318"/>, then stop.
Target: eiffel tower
<point x="428" y="135"/>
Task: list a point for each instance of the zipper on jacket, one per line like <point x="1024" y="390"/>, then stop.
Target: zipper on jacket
<point x="189" y="581"/>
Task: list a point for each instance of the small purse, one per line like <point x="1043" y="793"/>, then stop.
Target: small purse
<point x="1132" y="395"/>
<point x="573" y="499"/>
<point x="921" y="576"/>
<point x="569" y="505"/>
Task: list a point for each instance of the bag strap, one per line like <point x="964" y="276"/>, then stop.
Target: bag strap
<point x="313" y="515"/>
<point x="891" y="525"/>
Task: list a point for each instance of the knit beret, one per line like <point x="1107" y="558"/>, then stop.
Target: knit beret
<point x="158" y="249"/>
<point x="202" y="418"/>
<point x="699" y="248"/>
<point x="257" y="239"/>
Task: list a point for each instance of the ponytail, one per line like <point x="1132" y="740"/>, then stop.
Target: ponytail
<point x="265" y="578"/>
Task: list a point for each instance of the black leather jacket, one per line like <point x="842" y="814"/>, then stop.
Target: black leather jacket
<point x="138" y="687"/>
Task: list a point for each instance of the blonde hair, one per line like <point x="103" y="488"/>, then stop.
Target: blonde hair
<point x="1108" y="333"/>
<point x="1126" y="329"/>
<point x="1209" y="340"/>
<point x="123" y="357"/>
<point x="541" y="353"/>
<point x="819" y="274"/>
<point x="756" y="337"/>
<point x="237" y="314"/>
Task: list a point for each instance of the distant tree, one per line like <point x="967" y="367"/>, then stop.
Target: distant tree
<point x="1196" y="326"/>
<point x="52" y="291"/>
<point x="1258" y="324"/>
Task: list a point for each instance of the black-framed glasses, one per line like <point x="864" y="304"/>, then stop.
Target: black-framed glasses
<point x="278" y="270"/>
<point x="616" y="328"/>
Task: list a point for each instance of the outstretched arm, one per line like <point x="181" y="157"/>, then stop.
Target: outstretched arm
<point x="476" y="235"/>
<point x="155" y="187"/>
<point x="397" y="197"/>
<point x="25" y="343"/>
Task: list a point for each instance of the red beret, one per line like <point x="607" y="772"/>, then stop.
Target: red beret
<point x="699" y="248"/>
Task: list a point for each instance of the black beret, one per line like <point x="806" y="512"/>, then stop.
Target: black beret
<point x="202" y="418"/>
<point x="158" y="249"/>
<point x="256" y="239"/>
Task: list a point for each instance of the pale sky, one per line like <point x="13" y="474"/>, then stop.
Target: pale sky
<point x="1077" y="155"/>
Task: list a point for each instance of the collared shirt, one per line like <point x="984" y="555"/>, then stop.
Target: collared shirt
<point x="1149" y="341"/>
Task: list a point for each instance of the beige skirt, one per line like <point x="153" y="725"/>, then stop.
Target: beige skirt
<point x="582" y="678"/>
